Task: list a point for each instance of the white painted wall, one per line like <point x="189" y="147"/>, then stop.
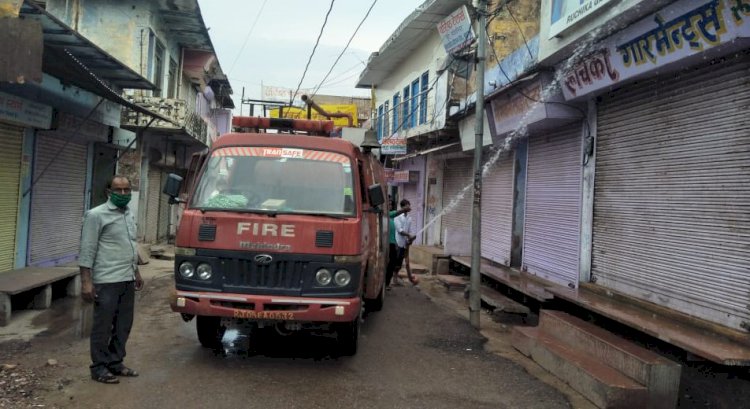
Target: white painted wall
<point x="427" y="57"/>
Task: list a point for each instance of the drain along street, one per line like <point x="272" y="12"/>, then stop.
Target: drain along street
<point x="401" y="204"/>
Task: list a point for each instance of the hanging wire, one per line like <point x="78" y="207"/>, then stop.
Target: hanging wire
<point x="345" y="47"/>
<point x="304" y="73"/>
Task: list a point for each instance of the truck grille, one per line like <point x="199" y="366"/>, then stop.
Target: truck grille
<point x="282" y="274"/>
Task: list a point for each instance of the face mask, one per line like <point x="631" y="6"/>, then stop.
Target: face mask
<point x="120" y="200"/>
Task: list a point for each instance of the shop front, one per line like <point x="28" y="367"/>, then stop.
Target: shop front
<point x="60" y="193"/>
<point x="535" y="194"/>
<point x="18" y="118"/>
<point x="671" y="224"/>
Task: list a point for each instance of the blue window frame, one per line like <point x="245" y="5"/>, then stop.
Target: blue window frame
<point x="414" y="102"/>
<point x="396" y="107"/>
<point x="405" y="108"/>
<point x="380" y="123"/>
<point x="423" y="99"/>
<point x="386" y="117"/>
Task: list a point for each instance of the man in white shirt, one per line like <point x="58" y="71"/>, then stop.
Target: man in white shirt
<point x="404" y="239"/>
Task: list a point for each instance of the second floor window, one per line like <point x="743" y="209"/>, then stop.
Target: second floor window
<point x="405" y="109"/>
<point x="380" y="123"/>
<point x="386" y="122"/>
<point x="158" y="68"/>
<point x="396" y="107"/>
<point x="414" y="103"/>
<point x="423" y="98"/>
<point x="172" y="78"/>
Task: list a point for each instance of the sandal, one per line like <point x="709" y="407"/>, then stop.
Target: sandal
<point x="105" y="377"/>
<point x="124" y="371"/>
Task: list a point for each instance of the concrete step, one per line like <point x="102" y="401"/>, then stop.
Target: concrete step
<point x="415" y="269"/>
<point x="427" y="256"/>
<point x="603" y="386"/>
<point x="452" y="282"/>
<point x="501" y="303"/>
<point x="660" y="375"/>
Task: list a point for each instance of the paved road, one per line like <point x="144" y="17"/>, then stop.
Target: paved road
<point x="413" y="354"/>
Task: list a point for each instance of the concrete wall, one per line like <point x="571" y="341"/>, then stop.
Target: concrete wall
<point x="507" y="34"/>
<point x="123" y="28"/>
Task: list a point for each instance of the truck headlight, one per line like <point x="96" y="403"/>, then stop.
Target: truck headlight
<point x="187" y="269"/>
<point x="342" y="278"/>
<point x="323" y="277"/>
<point x="204" y="271"/>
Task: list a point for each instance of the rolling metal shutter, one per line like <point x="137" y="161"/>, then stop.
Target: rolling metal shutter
<point x="497" y="211"/>
<point x="152" y="205"/>
<point x="414" y="193"/>
<point x="457" y="175"/>
<point x="553" y="206"/>
<point x="10" y="176"/>
<point x="57" y="200"/>
<point x="672" y="193"/>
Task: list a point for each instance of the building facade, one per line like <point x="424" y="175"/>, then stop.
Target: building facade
<point x="57" y="129"/>
<point x="168" y="43"/>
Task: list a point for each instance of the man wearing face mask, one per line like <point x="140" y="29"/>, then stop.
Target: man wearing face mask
<point x="109" y="278"/>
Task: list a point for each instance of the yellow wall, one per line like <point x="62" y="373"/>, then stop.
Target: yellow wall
<point x="298" y="113"/>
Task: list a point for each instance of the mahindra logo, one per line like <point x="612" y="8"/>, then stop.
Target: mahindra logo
<point x="263" y="259"/>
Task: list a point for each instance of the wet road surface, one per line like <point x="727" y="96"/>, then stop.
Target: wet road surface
<point x="413" y="354"/>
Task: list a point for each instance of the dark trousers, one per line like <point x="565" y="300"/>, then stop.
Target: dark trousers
<point x="113" y="319"/>
<point x="395" y="260"/>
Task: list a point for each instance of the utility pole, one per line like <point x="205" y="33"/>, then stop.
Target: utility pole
<point x="475" y="300"/>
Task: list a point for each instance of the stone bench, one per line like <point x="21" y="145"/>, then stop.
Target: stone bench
<point x="35" y="282"/>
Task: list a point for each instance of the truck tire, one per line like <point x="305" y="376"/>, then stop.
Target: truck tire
<point x="210" y="331"/>
<point x="376" y="304"/>
<point x="348" y="337"/>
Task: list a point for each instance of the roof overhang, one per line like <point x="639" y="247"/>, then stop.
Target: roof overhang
<point x="186" y="26"/>
<point x="61" y="39"/>
<point x="407" y="38"/>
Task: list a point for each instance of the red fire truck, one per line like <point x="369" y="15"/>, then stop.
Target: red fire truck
<point x="281" y="230"/>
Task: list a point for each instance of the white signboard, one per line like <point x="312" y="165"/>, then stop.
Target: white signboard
<point x="23" y="112"/>
<point x="456" y="31"/>
<point x="567" y="13"/>
<point x="684" y="29"/>
<point x="393" y="145"/>
<point x="282" y="94"/>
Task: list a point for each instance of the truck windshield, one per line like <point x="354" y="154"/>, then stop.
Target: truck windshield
<point x="276" y="180"/>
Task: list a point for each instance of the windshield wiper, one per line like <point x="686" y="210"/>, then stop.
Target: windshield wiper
<point x="271" y="213"/>
<point x="333" y="216"/>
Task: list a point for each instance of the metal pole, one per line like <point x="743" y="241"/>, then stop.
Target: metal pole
<point x="475" y="300"/>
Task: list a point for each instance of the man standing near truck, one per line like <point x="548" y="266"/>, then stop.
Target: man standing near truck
<point x="404" y="239"/>
<point x="394" y="263"/>
<point x="109" y="278"/>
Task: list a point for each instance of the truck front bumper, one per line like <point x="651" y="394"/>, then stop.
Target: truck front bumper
<point x="266" y="307"/>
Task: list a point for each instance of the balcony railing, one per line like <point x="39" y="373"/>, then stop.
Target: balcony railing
<point x="185" y="120"/>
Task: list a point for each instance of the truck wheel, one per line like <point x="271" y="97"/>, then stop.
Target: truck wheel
<point x="210" y="331"/>
<point x="376" y="304"/>
<point x="348" y="338"/>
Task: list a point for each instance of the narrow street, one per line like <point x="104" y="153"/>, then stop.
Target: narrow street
<point x="413" y="354"/>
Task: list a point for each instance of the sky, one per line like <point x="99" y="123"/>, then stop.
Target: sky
<point x="278" y="46"/>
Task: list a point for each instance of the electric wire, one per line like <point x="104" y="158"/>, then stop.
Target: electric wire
<point x="35" y="180"/>
<point x="520" y="31"/>
<point x="247" y="37"/>
<point x="315" y="91"/>
<point x="317" y="41"/>
<point x="513" y="83"/>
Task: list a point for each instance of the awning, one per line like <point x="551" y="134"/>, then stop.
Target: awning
<point x="58" y="36"/>
<point x="90" y="82"/>
<point x="426" y="151"/>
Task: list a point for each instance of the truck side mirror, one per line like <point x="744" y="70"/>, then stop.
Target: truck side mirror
<point x="376" y="195"/>
<point x="172" y="187"/>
